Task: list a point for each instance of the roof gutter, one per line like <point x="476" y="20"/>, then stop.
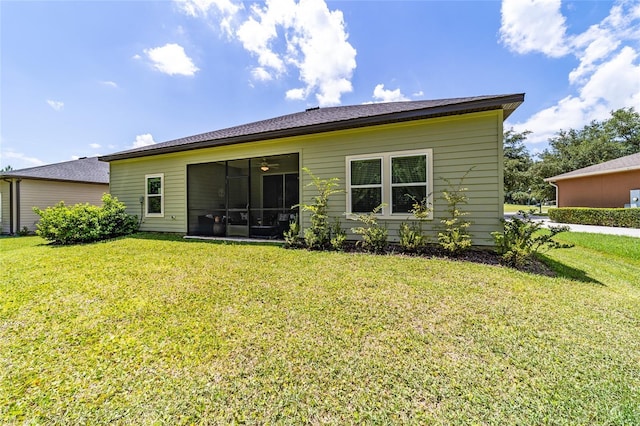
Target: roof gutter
<point x="419" y="114"/>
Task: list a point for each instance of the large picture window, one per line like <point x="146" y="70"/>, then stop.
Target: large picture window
<point x="397" y="179"/>
<point x="154" y="196"/>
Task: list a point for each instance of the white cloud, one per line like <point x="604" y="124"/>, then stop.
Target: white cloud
<point x="112" y="84"/>
<point x="606" y="78"/>
<point x="75" y="157"/>
<point x="143" y="140"/>
<point x="136" y="57"/>
<point x="261" y="74"/>
<point x="18" y="160"/>
<point x="171" y="59"/>
<point x="380" y="94"/>
<point x="418" y="94"/>
<point x="95" y="145"/>
<point x="534" y="26"/>
<point x="225" y="11"/>
<point x="56" y="105"/>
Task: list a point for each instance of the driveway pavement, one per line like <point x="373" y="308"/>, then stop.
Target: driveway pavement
<point x="629" y="232"/>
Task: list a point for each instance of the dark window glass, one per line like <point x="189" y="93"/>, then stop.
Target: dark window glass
<point x="366" y="172"/>
<point x="409" y="169"/>
<point x="402" y="197"/>
<point x="364" y="200"/>
<point x="154" y="205"/>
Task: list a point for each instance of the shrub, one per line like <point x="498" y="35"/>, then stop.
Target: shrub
<point x="520" y="240"/>
<point x="411" y="238"/>
<point x="626" y="218"/>
<point x="454" y="238"/>
<point x="292" y="237"/>
<point x="83" y="223"/>
<point x="374" y="235"/>
<point x="338" y="236"/>
<point x="318" y="235"/>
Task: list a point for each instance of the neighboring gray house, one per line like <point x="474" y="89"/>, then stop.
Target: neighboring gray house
<point x="79" y="181"/>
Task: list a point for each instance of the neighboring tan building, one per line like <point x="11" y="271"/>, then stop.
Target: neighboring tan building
<point x="80" y="181"/>
<point x="245" y="181"/>
<point x="602" y="185"/>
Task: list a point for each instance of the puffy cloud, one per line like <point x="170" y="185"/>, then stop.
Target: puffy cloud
<point x="286" y="35"/>
<point x="95" y="145"/>
<point x="380" y="94"/>
<point x="143" y="140"/>
<point x="56" y="105"/>
<point x="605" y="79"/>
<point x="534" y="26"/>
<point x="171" y="59"/>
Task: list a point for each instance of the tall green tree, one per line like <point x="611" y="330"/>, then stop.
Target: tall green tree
<point x="595" y="143"/>
<point x="517" y="165"/>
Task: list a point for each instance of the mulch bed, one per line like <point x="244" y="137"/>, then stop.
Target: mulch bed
<point x="485" y="256"/>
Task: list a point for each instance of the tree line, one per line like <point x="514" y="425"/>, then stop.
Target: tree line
<point x="597" y="142"/>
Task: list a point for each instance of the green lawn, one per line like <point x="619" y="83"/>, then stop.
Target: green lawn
<point x="151" y="329"/>
<point x="514" y="208"/>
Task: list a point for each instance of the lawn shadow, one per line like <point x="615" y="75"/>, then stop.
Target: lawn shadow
<point x="565" y="271"/>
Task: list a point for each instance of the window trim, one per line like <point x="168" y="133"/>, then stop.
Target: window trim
<point x="147" y="195"/>
<point x="387" y="184"/>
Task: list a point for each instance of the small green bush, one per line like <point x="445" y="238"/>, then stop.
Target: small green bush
<point x="84" y="223"/>
<point x="374" y="235"/>
<point x="292" y="237"/>
<point x="338" y="236"/>
<point x="318" y="235"/>
<point x="520" y="240"/>
<point x="454" y="237"/>
<point x="411" y="238"/>
<point x="625" y="218"/>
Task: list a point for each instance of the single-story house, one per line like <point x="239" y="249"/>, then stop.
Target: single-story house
<point x="244" y="181"/>
<point x="607" y="184"/>
<point x="79" y="181"/>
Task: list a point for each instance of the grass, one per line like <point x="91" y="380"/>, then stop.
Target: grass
<point x="154" y="329"/>
<point x="514" y="208"/>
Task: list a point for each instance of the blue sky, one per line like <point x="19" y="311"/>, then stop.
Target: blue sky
<point x="96" y="77"/>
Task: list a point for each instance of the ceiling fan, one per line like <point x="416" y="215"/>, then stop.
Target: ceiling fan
<point x="265" y="165"/>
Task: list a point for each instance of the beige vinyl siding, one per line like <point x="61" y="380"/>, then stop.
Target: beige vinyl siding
<point x="5" y="213"/>
<point x="458" y="143"/>
<point x="45" y="193"/>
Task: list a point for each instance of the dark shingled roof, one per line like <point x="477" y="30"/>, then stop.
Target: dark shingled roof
<point x="622" y="164"/>
<point x="319" y="120"/>
<point x="86" y="170"/>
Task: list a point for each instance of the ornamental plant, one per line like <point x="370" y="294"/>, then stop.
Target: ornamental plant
<point x="520" y="240"/>
<point x="318" y="235"/>
<point x="374" y="235"/>
<point x="454" y="238"/>
<point x="84" y="223"/>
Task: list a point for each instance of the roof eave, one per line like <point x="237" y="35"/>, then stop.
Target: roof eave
<point x="507" y="103"/>
<point x="598" y="173"/>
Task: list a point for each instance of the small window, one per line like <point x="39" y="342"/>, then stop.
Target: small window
<point x="366" y="184"/>
<point x="154" y="196"/>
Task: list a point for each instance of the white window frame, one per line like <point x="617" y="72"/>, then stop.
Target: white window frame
<point x="387" y="185"/>
<point x="147" y="195"/>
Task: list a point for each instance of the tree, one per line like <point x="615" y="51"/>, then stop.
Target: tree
<point x="517" y="165"/>
<point x="595" y="143"/>
<point x="6" y="169"/>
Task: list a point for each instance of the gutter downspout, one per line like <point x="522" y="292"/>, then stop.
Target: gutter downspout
<point x="17" y="182"/>
<point x="10" y="182"/>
